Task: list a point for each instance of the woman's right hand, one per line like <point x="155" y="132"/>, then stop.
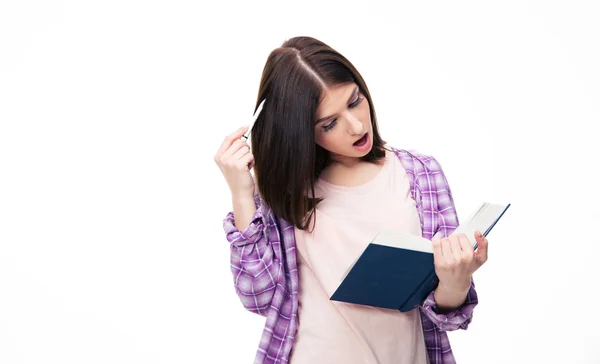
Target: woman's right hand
<point x="235" y="160"/>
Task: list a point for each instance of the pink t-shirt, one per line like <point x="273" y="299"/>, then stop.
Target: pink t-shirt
<point x="346" y="221"/>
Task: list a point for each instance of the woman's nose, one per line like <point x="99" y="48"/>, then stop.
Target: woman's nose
<point x="355" y="126"/>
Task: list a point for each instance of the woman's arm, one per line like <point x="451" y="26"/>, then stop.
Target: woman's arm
<point x="255" y="263"/>
<point x="448" y="309"/>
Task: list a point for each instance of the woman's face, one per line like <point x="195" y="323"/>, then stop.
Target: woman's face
<point x="343" y="123"/>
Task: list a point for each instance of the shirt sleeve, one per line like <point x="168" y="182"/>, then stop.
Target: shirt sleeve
<point x="448" y="222"/>
<point x="254" y="263"/>
<point x="454" y="320"/>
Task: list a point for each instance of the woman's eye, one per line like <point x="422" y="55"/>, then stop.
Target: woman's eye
<point x="329" y="126"/>
<point x="355" y="103"/>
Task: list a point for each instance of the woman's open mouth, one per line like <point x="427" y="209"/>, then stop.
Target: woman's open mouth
<point x="361" y="141"/>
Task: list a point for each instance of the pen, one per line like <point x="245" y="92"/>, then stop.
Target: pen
<point x="255" y="116"/>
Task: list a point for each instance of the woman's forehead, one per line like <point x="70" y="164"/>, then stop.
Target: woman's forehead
<point x="336" y="97"/>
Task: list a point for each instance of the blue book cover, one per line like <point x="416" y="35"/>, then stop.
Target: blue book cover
<point x="396" y="269"/>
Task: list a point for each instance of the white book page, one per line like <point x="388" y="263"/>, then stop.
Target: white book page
<point x="481" y="220"/>
<point x="397" y="239"/>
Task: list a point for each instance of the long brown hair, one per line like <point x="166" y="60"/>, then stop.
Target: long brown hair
<point x="287" y="160"/>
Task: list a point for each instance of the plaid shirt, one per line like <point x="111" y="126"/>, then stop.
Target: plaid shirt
<point x="263" y="263"/>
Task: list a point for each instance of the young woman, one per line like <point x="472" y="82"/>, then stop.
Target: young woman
<point x="325" y="183"/>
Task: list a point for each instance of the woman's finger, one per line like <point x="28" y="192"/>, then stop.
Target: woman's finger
<point x="244" y="149"/>
<point x="438" y="255"/>
<point x="465" y="245"/>
<point x="229" y="139"/>
<point x="248" y="160"/>
<point x="457" y="252"/>
<point x="233" y="148"/>
<point x="482" y="247"/>
<point x="447" y="251"/>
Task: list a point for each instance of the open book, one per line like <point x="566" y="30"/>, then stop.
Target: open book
<point x="396" y="269"/>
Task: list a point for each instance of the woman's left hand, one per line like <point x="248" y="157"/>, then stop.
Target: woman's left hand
<point x="455" y="260"/>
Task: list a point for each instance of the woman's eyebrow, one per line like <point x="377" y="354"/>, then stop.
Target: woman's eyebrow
<point x="330" y="116"/>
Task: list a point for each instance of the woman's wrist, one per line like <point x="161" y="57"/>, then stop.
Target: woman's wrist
<point x="450" y="298"/>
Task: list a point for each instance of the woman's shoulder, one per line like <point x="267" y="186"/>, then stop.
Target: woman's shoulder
<point x="416" y="159"/>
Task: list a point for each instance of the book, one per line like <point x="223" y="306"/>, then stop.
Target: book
<point x="396" y="269"/>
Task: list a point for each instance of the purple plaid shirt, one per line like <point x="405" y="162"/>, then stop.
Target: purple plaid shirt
<point x="263" y="263"/>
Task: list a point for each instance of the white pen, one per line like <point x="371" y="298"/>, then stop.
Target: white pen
<point x="258" y="110"/>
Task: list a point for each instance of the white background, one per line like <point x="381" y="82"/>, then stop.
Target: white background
<point x="111" y="207"/>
